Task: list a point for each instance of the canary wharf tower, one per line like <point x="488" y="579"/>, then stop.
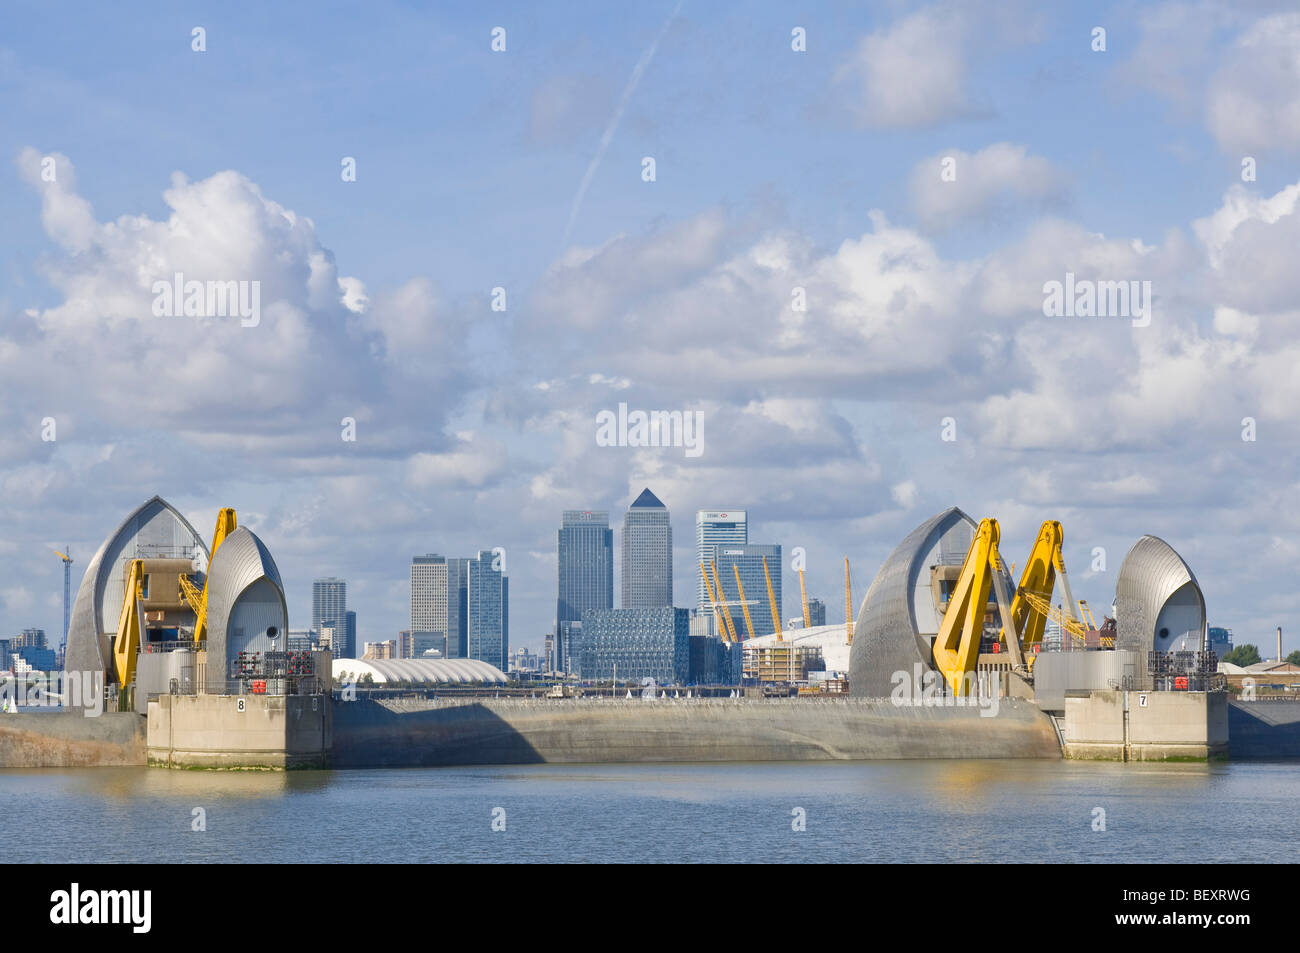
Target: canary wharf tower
<point x="647" y="554"/>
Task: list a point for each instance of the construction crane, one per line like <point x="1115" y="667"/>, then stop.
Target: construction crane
<point x="771" y="602"/>
<point x="67" y="592"/>
<point x="1086" y="614"/>
<point x="848" y="603"/>
<point x="803" y="596"/>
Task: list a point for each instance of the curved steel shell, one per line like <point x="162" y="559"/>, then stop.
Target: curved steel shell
<point x="245" y="599"/>
<point x="896" y="621"/>
<point x="155" y="528"/>
<point x="1158" y="602"/>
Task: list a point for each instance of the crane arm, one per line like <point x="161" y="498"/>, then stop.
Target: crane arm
<point x="126" y="644"/>
<point x="956" y="649"/>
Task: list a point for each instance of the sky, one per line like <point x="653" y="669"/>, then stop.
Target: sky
<point x="839" y="263"/>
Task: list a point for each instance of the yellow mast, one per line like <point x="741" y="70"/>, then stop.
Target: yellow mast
<point x="803" y="596"/>
<point x="744" y="605"/>
<point x="771" y="602"/>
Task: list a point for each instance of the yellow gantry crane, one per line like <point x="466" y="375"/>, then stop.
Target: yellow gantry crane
<point x="1023" y="616"/>
<point x="226" y="524"/>
<point x="126" y="644"/>
<point x="130" y="624"/>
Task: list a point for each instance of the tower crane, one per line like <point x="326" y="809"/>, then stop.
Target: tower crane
<point x="67" y="591"/>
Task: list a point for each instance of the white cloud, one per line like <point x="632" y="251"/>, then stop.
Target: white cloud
<point x="1253" y="100"/>
<point x="912" y="73"/>
<point x="988" y="184"/>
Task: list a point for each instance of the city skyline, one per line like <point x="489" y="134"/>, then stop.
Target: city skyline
<point x="848" y="279"/>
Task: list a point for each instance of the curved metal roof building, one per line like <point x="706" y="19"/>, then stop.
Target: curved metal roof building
<point x="455" y="671"/>
<point x="246" y="605"/>
<point x="1158" y="602"/>
<point x="898" y="616"/>
<point x="154" y="529"/>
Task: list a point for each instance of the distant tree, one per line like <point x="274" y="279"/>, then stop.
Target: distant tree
<point x="1294" y="657"/>
<point x="1244" y="655"/>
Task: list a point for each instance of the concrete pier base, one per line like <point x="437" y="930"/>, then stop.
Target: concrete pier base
<point x="1112" y="725"/>
<point x="268" y="732"/>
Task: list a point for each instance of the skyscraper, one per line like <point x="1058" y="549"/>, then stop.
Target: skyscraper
<point x="647" y="554"/>
<point x="488" y="603"/>
<point x="584" y="575"/>
<point x="713" y="528"/>
<point x="329" y="603"/>
<point x="438" y="605"/>
<point x="748" y="560"/>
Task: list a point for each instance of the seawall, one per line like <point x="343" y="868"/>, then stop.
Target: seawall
<point x="68" y="739"/>
<point x="1264" y="729"/>
<point x="397" y="732"/>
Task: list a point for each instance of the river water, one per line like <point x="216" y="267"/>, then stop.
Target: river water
<point x="886" y="811"/>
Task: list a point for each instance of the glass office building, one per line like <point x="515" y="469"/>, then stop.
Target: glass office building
<point x="642" y="643"/>
<point x="647" y="554"/>
<point x="584" y="576"/>
<point x="748" y="560"/>
<point x="714" y="528"/>
<point x="488" y="602"/>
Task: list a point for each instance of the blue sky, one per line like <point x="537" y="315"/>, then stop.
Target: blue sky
<point x="775" y="168"/>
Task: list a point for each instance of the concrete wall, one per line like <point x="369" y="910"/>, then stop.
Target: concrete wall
<point x="1146" y="726"/>
<point x="69" y="739"/>
<point x="520" y="731"/>
<point x="209" y="731"/>
<point x="1264" y="729"/>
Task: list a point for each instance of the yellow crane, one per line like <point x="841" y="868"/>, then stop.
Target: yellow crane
<point x="126" y="644"/>
<point x="957" y="646"/>
<point x="1086" y="614"/>
<point x="803" y="596"/>
<point x="226" y="524"/>
<point x="1023" y="616"/>
<point x="744" y="605"/>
